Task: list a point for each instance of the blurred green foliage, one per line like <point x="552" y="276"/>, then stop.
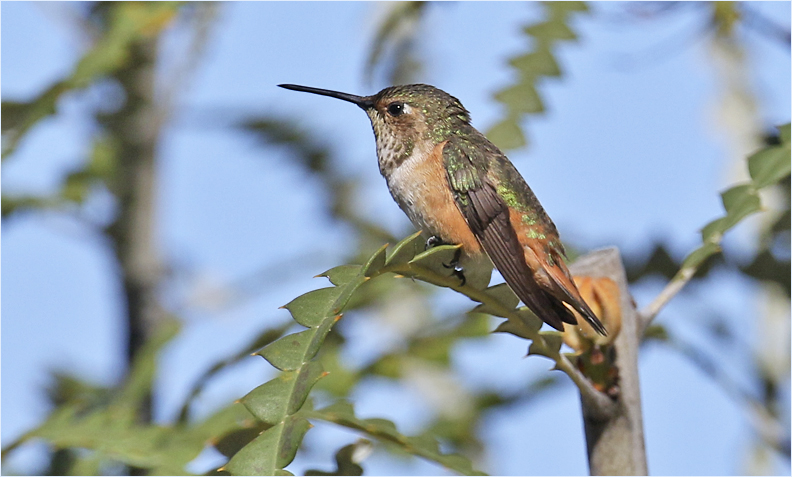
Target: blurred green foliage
<point x="94" y="430"/>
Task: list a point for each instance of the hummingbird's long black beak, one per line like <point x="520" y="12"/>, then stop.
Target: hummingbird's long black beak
<point x="364" y="102"/>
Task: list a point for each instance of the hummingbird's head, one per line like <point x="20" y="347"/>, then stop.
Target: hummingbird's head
<point x="404" y="117"/>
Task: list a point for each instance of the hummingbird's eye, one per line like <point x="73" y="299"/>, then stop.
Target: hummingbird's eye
<point x="396" y="109"/>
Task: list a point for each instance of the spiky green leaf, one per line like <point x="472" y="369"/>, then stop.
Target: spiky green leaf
<point x="376" y="262"/>
<point x="549" y="346"/>
<point x="509" y="326"/>
<point x="437" y="259"/>
<point x="311" y="308"/>
<point x="539" y="62"/>
<point x="507" y="134"/>
<point x="739" y="202"/>
<point x="280" y="400"/>
<point x="697" y="257"/>
<point x="529" y="318"/>
<point x="769" y="166"/>
<point x="270" y="452"/>
<point x="406" y="250"/>
<point x="503" y="295"/>
<point x="290" y="352"/>
<point x="551" y="30"/>
<point x="284" y="395"/>
<point x="521" y="98"/>
<point x="341" y="275"/>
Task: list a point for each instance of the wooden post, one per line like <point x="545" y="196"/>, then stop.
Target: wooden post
<point x="615" y="440"/>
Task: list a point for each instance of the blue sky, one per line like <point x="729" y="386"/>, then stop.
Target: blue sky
<point x="629" y="152"/>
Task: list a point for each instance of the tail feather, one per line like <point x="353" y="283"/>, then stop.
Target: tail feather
<point x="554" y="280"/>
<point x="565" y="290"/>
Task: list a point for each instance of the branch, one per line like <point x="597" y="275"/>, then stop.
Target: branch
<point x="517" y="326"/>
<point x="615" y="441"/>
<point x="649" y="312"/>
<point x="766" y="167"/>
<point x="342" y="414"/>
<point x="279" y="402"/>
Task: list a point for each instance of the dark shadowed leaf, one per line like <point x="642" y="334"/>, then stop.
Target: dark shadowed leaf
<point x="765" y="266"/>
<point x="660" y="262"/>
<point x="511" y="327"/>
<point x="342" y="413"/>
<point x="346" y="460"/>
<point x="229" y="444"/>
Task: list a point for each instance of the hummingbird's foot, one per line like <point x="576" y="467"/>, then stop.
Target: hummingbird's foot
<point x="458" y="272"/>
<point x="433" y="241"/>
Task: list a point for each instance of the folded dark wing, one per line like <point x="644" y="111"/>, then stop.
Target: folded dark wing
<point x="488" y="217"/>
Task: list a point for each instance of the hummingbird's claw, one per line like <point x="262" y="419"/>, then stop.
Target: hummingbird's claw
<point x="433" y="241"/>
<point x="458" y="272"/>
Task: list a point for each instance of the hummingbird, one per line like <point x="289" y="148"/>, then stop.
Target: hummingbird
<point x="458" y="187"/>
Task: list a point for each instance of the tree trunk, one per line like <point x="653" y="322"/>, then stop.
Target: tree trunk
<point x="136" y="129"/>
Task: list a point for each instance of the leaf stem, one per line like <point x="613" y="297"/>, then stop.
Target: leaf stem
<point x="407" y="444"/>
<point x="648" y="313"/>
